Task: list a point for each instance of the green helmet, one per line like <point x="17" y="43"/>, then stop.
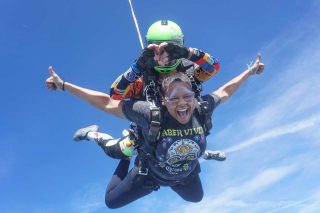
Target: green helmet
<point x="164" y="31"/>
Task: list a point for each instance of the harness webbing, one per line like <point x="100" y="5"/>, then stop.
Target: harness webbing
<point x="151" y="93"/>
<point x="204" y="114"/>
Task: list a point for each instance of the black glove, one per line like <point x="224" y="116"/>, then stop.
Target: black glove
<point x="176" y="51"/>
<point x="145" y="61"/>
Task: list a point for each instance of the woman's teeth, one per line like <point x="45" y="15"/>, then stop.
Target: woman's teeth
<point x="182" y="112"/>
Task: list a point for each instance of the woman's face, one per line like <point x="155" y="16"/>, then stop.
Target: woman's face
<point x="180" y="101"/>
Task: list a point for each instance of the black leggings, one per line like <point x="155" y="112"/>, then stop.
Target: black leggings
<point x="125" y="187"/>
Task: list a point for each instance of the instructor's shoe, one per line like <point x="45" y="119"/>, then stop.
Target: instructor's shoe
<point x="81" y="134"/>
<point x="214" y="155"/>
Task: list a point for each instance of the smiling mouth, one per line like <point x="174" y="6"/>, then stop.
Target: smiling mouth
<point x="183" y="113"/>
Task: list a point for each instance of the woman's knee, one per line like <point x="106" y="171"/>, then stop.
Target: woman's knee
<point x="195" y="198"/>
<point x="111" y="203"/>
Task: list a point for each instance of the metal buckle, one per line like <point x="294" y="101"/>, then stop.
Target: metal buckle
<point x="151" y="92"/>
<point x="143" y="171"/>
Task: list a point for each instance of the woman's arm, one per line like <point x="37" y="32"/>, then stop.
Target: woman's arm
<point x="97" y="99"/>
<point x="232" y="86"/>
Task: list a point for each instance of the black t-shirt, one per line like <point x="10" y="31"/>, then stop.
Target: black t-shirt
<point x="179" y="146"/>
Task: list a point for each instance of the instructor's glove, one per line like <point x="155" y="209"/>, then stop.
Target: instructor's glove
<point x="144" y="62"/>
<point x="175" y="51"/>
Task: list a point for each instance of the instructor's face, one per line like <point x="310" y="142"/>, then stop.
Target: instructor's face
<point x="180" y="101"/>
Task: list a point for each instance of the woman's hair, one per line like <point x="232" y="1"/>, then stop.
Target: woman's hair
<point x="176" y="77"/>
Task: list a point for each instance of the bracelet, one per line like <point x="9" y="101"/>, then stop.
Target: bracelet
<point x="62" y="85"/>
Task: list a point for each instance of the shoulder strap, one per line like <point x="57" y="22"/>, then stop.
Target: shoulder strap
<point x="204" y="114"/>
<point x="151" y="94"/>
<point x="155" y="122"/>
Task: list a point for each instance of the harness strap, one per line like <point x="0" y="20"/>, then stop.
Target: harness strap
<point x="146" y="151"/>
<point x="151" y="93"/>
<point x="155" y="124"/>
<point x="205" y="115"/>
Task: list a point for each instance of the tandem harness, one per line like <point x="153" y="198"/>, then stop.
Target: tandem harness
<point x="152" y="95"/>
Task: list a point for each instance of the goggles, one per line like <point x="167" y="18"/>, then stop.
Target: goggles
<point x="189" y="97"/>
<point x="173" y="64"/>
<point x="169" y="68"/>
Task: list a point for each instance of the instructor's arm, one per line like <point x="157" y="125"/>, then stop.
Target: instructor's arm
<point x="97" y="99"/>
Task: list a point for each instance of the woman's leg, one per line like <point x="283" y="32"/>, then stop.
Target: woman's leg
<point x="192" y="191"/>
<point x="125" y="187"/>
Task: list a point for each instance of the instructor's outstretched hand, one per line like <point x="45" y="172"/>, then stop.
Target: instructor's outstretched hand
<point x="54" y="82"/>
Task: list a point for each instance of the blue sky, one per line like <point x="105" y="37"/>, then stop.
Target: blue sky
<point x="270" y="127"/>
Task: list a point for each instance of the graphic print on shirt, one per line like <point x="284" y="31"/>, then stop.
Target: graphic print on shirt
<point x="184" y="149"/>
<point x="179" y="150"/>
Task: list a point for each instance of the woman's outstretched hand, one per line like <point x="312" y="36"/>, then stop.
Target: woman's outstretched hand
<point x="258" y="66"/>
<point x="54" y="82"/>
